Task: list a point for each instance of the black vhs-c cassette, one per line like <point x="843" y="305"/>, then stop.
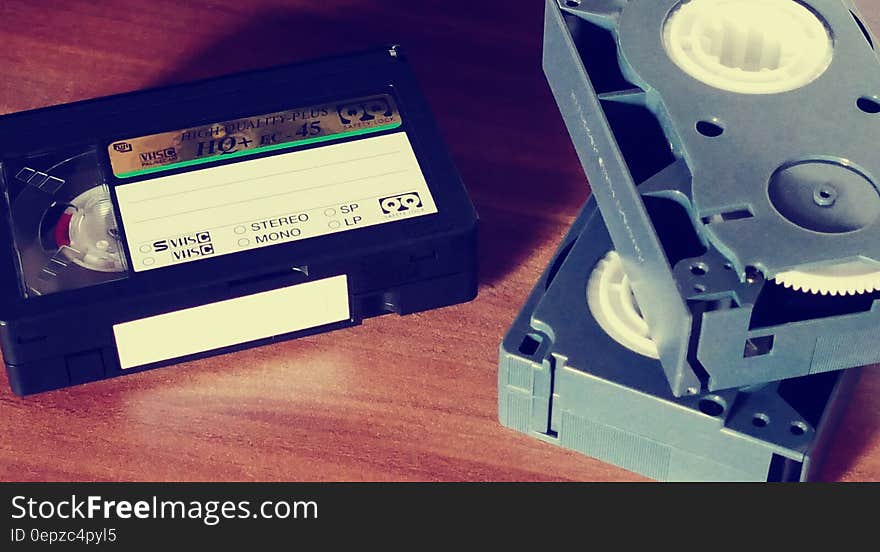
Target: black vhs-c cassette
<point x="147" y="228"/>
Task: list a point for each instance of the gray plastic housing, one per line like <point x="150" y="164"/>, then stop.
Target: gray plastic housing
<point x="562" y="379"/>
<point x="675" y="199"/>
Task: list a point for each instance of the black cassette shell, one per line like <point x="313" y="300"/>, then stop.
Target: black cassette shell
<point x="410" y="265"/>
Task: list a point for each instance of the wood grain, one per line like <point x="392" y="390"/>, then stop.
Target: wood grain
<point x="399" y="398"/>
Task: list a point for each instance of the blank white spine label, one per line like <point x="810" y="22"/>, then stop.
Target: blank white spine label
<point x="232" y="322"/>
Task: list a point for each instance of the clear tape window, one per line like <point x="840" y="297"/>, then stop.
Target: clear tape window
<point x="63" y="223"/>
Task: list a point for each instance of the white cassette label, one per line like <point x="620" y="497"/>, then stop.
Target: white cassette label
<point x="232" y="322"/>
<point x="260" y="202"/>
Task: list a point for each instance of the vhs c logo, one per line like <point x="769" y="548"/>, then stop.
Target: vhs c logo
<point x="122" y="147"/>
<point x="400" y="203"/>
<point x="186" y="247"/>
<point x="158" y="157"/>
<point x="365" y="111"/>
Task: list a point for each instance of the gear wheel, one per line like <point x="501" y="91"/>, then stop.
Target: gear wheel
<point x="849" y="278"/>
<point x="611" y="301"/>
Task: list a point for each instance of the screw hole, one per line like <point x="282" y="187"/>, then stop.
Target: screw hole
<point x="699" y="269"/>
<point x="699" y="288"/>
<point x="713" y="406"/>
<point x="798" y="428"/>
<point x="760" y="420"/>
<point x="868" y="105"/>
<point x="573" y="3"/>
<point x="709" y="129"/>
<point x="824" y="197"/>
<point x="728" y="266"/>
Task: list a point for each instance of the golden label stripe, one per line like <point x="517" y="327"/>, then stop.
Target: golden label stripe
<point x="250" y="135"/>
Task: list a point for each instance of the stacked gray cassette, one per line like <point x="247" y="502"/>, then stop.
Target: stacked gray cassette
<point x="727" y="269"/>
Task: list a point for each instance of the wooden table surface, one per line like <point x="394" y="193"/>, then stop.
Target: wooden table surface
<point x="398" y="398"/>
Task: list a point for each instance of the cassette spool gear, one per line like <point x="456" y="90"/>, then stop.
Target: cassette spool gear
<point x="828" y="198"/>
<point x="851" y="278"/>
<point x="86" y="232"/>
<point x="614" y="307"/>
<point x="748" y="46"/>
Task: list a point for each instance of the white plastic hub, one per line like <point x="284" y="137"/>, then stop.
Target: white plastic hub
<point x="614" y="307"/>
<point x="748" y="46"/>
<point x="91" y="227"/>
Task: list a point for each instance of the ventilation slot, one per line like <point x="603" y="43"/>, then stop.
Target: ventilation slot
<point x="598" y="52"/>
<point x="640" y="137"/>
<point x="864" y="29"/>
<point x="758" y="346"/>
<point x="674" y="228"/>
<point x="551" y="426"/>
<point x="530" y="344"/>
<point x="784" y="470"/>
<point x="739" y="214"/>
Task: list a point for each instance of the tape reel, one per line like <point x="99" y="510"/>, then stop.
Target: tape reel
<point x="614" y="307"/>
<point x="748" y="46"/>
<point x="64" y="226"/>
